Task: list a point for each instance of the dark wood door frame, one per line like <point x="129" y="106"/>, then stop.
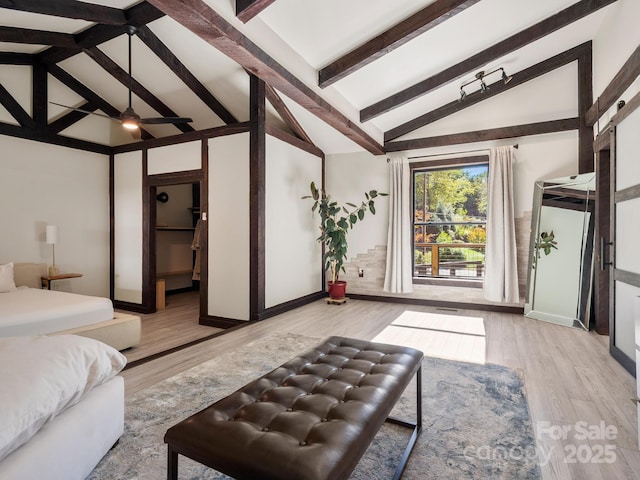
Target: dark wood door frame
<point x="602" y="237"/>
<point x="149" y="232"/>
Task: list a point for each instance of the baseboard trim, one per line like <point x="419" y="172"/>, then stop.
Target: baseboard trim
<point x="439" y="303"/>
<point x="220" y="322"/>
<point x="623" y="359"/>
<point x="287" y="306"/>
<point x="132" y="307"/>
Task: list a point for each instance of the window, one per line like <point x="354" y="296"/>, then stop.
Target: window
<point x="449" y="220"/>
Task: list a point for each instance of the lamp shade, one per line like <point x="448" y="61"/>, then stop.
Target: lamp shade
<point x="52" y="234"/>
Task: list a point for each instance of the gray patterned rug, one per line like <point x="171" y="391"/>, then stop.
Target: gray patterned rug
<point x="476" y="419"/>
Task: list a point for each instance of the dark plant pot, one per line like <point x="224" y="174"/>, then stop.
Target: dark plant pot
<point x="338" y="289"/>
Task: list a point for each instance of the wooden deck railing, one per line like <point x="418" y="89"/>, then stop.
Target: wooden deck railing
<point x="440" y="262"/>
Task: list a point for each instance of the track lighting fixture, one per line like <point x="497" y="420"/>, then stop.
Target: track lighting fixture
<point x="480" y="76"/>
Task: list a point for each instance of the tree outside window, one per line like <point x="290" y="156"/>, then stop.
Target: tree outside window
<point x="449" y="221"/>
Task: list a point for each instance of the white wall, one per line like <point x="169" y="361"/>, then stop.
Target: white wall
<point x="613" y="44"/>
<point x="229" y="227"/>
<point x="347" y="177"/>
<point x="128" y="227"/>
<point x="44" y="184"/>
<point x="293" y="257"/>
<point x="551" y="96"/>
<point x="174" y="158"/>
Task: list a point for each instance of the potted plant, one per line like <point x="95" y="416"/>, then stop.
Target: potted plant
<point x="335" y="222"/>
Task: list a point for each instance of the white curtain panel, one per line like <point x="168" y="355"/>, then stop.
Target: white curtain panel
<point x="398" y="277"/>
<point x="501" y="269"/>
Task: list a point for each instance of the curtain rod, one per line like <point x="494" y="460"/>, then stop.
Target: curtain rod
<point x="452" y="153"/>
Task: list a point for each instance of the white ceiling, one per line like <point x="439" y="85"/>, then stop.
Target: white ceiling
<point x="304" y="36"/>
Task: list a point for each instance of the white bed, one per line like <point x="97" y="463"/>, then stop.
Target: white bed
<point x="62" y="406"/>
<point x="26" y="309"/>
<point x="31" y="311"/>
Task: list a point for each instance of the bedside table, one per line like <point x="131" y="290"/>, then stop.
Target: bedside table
<point x="46" y="280"/>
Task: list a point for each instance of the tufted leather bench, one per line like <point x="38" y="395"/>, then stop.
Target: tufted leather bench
<point x="310" y="419"/>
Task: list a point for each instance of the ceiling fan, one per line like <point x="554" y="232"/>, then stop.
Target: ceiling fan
<point x="129" y="118"/>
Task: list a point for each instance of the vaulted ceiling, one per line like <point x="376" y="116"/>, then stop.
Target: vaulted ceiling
<point x="343" y="75"/>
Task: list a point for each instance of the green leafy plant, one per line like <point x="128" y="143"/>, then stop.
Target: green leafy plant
<point x="545" y="243"/>
<point x="335" y="222"/>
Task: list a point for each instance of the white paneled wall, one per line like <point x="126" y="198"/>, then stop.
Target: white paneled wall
<point x="175" y="158"/>
<point x="229" y="227"/>
<point x="44" y="184"/>
<point x="293" y="257"/>
<point x="128" y="227"/>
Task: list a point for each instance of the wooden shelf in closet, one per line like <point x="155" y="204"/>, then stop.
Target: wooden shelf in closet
<point x="176" y="229"/>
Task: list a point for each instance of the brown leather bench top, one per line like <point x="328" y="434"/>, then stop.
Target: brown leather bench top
<point x="311" y="418"/>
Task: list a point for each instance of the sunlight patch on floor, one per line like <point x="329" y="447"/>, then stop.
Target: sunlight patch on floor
<point x="454" y="337"/>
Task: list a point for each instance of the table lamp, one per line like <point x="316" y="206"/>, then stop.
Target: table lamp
<point x="52" y="238"/>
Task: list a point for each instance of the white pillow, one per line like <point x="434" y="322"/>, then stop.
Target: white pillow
<point x="42" y="376"/>
<point x="7" y="283"/>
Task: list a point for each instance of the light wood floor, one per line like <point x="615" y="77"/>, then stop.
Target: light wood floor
<point x="176" y="325"/>
<point x="574" y="387"/>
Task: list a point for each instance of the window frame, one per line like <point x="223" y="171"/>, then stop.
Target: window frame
<point x="441" y="164"/>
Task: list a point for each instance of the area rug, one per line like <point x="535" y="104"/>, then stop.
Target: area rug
<point x="476" y="419"/>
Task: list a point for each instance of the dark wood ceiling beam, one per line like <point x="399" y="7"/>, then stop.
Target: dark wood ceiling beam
<point x="138" y="15"/>
<point x="495" y="88"/>
<point x="247" y="9"/>
<point x="276" y="102"/>
<point x="69" y="9"/>
<point x="72" y="83"/>
<point x="618" y="85"/>
<point x="72" y="117"/>
<point x="525" y="130"/>
<point x="183" y="73"/>
<point x="40" y="96"/>
<point x="36" y="37"/>
<point x="145" y="95"/>
<point x="12" y="58"/>
<point x="201" y="19"/>
<point x="45" y="137"/>
<point x="586" y="159"/>
<point x="89" y="95"/>
<point x="15" y="109"/>
<point x="402" y="33"/>
<point x="295" y="141"/>
<point x="232" y="129"/>
<point x="525" y="37"/>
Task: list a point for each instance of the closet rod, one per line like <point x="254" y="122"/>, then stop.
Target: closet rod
<point x="450" y="153"/>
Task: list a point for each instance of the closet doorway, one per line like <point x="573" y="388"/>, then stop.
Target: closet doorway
<point x="176" y="239"/>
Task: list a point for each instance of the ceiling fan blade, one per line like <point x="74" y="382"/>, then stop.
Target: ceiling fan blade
<point x="86" y="111"/>
<point x="136" y="134"/>
<point x="159" y="120"/>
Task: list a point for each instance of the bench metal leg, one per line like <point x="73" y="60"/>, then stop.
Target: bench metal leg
<point x="172" y="464"/>
<point x="416" y="426"/>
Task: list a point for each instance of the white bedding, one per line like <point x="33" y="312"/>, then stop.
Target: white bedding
<point x="42" y="376"/>
<point x="31" y="311"/>
<point x="71" y="445"/>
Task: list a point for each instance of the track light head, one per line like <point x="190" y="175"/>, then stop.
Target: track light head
<point x="479" y="77"/>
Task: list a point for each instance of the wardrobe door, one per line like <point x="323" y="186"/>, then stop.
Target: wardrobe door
<point x="625" y="232"/>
